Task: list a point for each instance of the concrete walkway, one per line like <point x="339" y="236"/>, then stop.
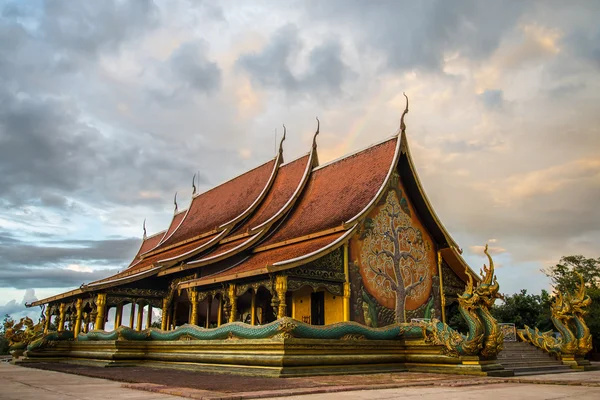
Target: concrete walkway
<point x="488" y="392"/>
<point x="17" y="383"/>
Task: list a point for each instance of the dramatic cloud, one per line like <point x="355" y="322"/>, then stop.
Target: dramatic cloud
<point x="108" y="108"/>
<point x="273" y="66"/>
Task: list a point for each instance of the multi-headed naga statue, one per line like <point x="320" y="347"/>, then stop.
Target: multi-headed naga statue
<point x="567" y="316"/>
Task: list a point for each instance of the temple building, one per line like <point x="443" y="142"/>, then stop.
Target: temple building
<point x="354" y="239"/>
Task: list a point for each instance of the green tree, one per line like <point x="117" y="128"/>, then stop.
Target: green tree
<point x="565" y="280"/>
<point x="524" y="309"/>
<point x="3" y="340"/>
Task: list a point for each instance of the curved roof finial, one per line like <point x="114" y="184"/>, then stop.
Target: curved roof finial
<point x="144" y="228"/>
<point x="194" y="185"/>
<point x="281" y="143"/>
<point x="316" y="133"/>
<point x="175" y="202"/>
<point x="402" y="124"/>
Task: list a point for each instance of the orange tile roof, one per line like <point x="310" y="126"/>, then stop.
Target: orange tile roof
<point x="289" y="177"/>
<point x="148" y="262"/>
<point x="258" y="262"/>
<point x="337" y="192"/>
<point x="147" y="244"/>
<point x="222" y="204"/>
<point x="175" y="221"/>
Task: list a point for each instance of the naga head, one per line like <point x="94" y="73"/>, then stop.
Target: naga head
<point x="469" y="298"/>
<point x="579" y="300"/>
<point x="488" y="287"/>
<point x="561" y="307"/>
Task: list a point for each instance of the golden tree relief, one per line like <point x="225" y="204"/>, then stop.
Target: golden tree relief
<point x="396" y="256"/>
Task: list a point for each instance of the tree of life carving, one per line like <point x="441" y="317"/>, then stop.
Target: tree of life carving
<point x="395" y="255"/>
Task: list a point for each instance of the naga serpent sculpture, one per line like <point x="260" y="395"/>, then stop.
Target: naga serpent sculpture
<point x="485" y="337"/>
<point x="567" y="316"/>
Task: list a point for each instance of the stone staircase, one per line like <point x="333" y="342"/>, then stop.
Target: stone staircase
<point x="526" y="359"/>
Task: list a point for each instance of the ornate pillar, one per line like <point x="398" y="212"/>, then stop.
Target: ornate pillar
<point x="79" y="309"/>
<point x="149" y="317"/>
<point x="442" y="297"/>
<point x="174" y="315"/>
<point x="233" y="301"/>
<point x="281" y="288"/>
<point x="118" y="315"/>
<point x="48" y="318"/>
<point x="193" y="296"/>
<point x="101" y="310"/>
<point x="165" y="314"/>
<point x="253" y="308"/>
<point x="208" y="305"/>
<point x="140" y="317"/>
<point x="346" y="285"/>
<point x="132" y="315"/>
<point x="220" y="311"/>
<point x="61" y="317"/>
<point x="86" y="325"/>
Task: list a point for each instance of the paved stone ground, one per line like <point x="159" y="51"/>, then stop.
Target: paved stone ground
<point x="31" y="383"/>
<point x="488" y="392"/>
<point x="18" y="383"/>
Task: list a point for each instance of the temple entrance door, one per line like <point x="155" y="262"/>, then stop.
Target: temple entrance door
<point x="317" y="308"/>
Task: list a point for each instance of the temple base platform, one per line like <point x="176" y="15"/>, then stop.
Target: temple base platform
<point x="289" y="357"/>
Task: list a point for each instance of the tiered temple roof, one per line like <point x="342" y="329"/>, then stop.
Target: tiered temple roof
<point x="277" y="216"/>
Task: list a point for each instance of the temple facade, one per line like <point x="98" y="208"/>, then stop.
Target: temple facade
<point x="351" y="240"/>
<point x="307" y="267"/>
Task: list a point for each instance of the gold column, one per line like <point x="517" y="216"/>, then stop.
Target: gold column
<point x="100" y="310"/>
<point x="86" y="327"/>
<point x="208" y="305"/>
<point x="174" y="315"/>
<point x="165" y="314"/>
<point x="149" y="317"/>
<point x="77" y="328"/>
<point x="253" y="308"/>
<point x="193" y="296"/>
<point x="118" y="315"/>
<point x="346" y="285"/>
<point x="132" y="316"/>
<point x="220" y="312"/>
<point x="281" y="288"/>
<point x="61" y="321"/>
<point x="233" y="300"/>
<point x="442" y="297"/>
<point x="48" y="318"/>
<point x="140" y="317"/>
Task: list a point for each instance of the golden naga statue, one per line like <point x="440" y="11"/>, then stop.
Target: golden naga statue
<point x="20" y="334"/>
<point x="485" y="337"/>
<point x="567" y="316"/>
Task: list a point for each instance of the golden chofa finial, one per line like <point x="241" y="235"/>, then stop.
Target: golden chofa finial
<point x="194" y="185"/>
<point x="175" y="202"/>
<point x="487" y="274"/>
<point x="144" y="228"/>
<point x="402" y="124"/>
<point x="281" y="142"/>
<point x="316" y="133"/>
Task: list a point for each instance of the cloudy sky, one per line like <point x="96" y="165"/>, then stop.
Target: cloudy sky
<point x="107" y="108"/>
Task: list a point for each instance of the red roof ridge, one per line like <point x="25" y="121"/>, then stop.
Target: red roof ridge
<point x="261" y="195"/>
<point x="137" y="258"/>
<point x="385" y="182"/>
<point x="300" y="239"/>
<point x="329" y="163"/>
<point x="291" y="201"/>
<point x="276" y="162"/>
<point x="195" y="250"/>
<point x="235" y="177"/>
<point x="306" y="258"/>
